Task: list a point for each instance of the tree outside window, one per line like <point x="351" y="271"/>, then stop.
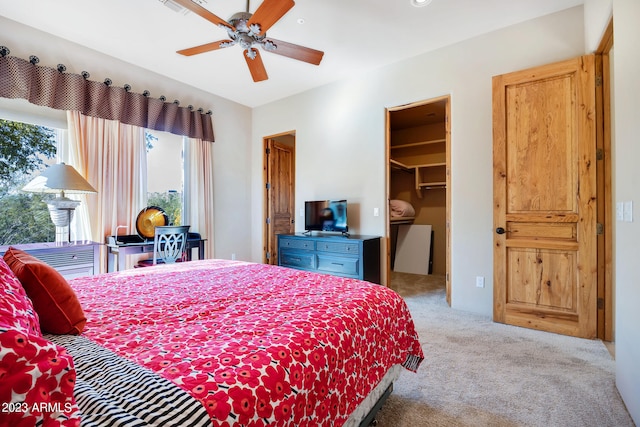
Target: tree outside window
<point x="25" y="150"/>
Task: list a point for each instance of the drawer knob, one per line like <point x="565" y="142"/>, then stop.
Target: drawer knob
<point x="74" y="256"/>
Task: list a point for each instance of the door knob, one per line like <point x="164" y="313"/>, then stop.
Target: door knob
<point x="500" y="230"/>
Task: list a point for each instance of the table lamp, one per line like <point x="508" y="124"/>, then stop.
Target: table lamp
<point x="60" y="179"/>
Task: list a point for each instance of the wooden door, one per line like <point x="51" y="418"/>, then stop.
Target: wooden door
<point x="604" y="171"/>
<point x="545" y="251"/>
<point x="280" y="195"/>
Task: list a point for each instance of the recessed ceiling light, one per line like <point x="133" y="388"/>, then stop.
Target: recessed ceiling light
<point x="300" y="21"/>
<point x="420" y="3"/>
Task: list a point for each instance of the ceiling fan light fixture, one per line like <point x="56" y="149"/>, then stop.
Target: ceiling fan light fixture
<point x="420" y="3"/>
<point x="269" y="46"/>
<point x="251" y="53"/>
<point x="239" y="20"/>
<point x="249" y="31"/>
<point x="245" y="41"/>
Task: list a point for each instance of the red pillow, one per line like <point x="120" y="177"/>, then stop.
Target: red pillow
<point x="53" y="299"/>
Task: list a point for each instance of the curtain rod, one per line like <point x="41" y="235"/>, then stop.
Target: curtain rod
<point x="4" y="51"/>
<point x="54" y="88"/>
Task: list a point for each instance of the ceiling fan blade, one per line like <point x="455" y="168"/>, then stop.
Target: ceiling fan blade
<point x="295" y="51"/>
<point x="207" y="47"/>
<point x="269" y="12"/>
<point x="199" y="10"/>
<point x="256" y="67"/>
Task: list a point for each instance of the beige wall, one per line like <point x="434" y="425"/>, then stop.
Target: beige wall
<point x="340" y="136"/>
<point x="596" y="17"/>
<point x="626" y="187"/>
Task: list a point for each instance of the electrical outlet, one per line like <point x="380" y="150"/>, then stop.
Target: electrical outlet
<point x="479" y="282"/>
<point x="233" y="257"/>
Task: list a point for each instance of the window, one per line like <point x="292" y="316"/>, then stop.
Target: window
<point x="165" y="173"/>
<point x="25" y="150"/>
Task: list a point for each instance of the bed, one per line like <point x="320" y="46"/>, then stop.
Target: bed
<point x="219" y="343"/>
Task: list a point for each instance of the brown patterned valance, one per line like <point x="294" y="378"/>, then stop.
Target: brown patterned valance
<point x="62" y="91"/>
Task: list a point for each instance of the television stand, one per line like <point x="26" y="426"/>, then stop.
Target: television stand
<point x="310" y="233"/>
<point x="354" y="256"/>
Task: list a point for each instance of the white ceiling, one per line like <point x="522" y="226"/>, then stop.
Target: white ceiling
<point x="356" y="36"/>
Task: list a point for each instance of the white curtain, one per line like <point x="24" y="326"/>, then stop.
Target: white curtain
<point x="112" y="157"/>
<point x="79" y="227"/>
<point x="198" y="182"/>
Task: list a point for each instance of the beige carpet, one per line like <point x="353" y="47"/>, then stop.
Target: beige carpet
<point x="480" y="373"/>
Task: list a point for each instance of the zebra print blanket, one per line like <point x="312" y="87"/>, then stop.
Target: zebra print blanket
<point x="112" y="391"/>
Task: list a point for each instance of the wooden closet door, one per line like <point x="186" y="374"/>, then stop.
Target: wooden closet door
<point x="545" y="259"/>
<point x="280" y="166"/>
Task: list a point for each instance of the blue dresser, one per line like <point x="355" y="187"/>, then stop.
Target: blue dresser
<point x="354" y="256"/>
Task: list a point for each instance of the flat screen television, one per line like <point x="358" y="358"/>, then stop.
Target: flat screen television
<point x="326" y="215"/>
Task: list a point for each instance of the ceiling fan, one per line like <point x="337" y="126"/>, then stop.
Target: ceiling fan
<point x="249" y="31"/>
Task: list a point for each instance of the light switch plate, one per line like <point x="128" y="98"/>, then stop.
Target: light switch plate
<point x="619" y="211"/>
<point x="628" y="211"/>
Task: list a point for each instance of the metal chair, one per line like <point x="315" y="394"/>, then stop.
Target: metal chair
<point x="169" y="245"/>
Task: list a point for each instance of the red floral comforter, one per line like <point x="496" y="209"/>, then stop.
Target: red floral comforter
<point x="256" y="344"/>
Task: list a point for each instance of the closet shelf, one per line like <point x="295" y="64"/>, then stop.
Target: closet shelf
<point x="418" y="144"/>
<point x="395" y="164"/>
<point x="400" y="166"/>
<point x="429" y="165"/>
<point x="429" y="186"/>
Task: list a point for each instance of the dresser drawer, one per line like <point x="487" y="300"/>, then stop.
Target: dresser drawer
<point x="339" y="265"/>
<point x="65" y="259"/>
<point x="73" y="259"/>
<point x="297" y="259"/>
<point x="352" y="256"/>
<point x="78" y="271"/>
<point x="309" y="245"/>
<point x="338" y="247"/>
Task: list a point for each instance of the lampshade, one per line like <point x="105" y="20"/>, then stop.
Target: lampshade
<point x="59" y="178"/>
